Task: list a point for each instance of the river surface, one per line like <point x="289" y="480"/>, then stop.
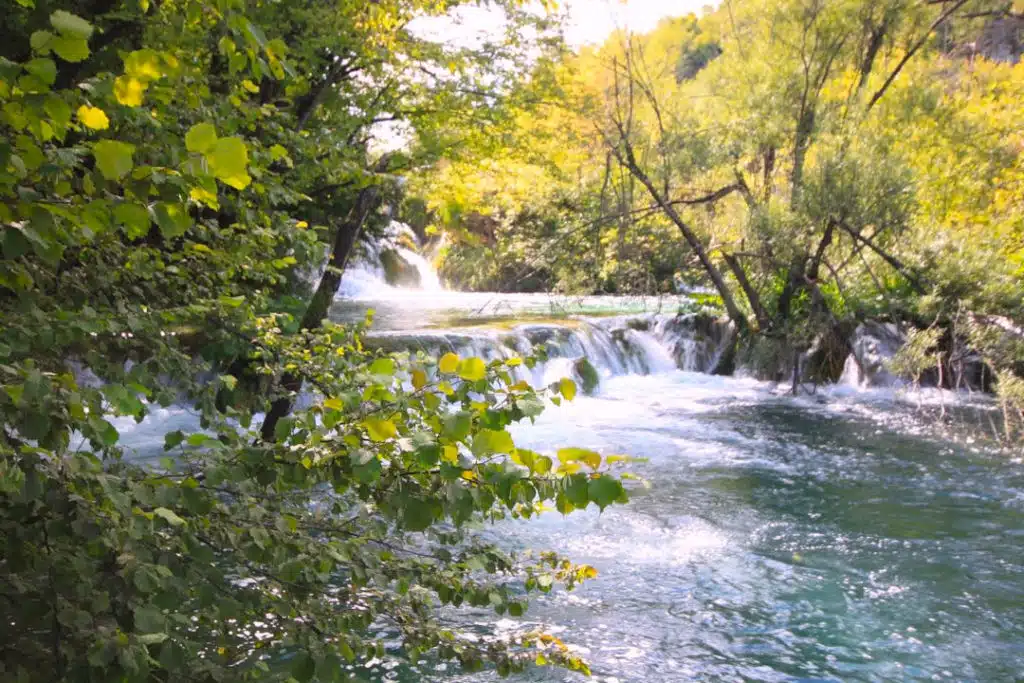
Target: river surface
<point x="833" y="537"/>
<point x="837" y="537"/>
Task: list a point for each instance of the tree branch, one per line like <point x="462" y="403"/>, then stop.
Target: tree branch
<point x="913" y="50"/>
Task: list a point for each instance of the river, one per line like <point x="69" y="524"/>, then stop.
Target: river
<point x="833" y="537"/>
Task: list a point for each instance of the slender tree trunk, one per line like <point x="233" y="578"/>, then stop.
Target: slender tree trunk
<point x="763" y="321"/>
<point x="344" y="240"/>
<point x="628" y="159"/>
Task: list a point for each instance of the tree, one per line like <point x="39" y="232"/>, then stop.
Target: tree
<point x="156" y="177"/>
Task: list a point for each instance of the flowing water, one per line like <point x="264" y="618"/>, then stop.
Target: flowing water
<point x="834" y="537"/>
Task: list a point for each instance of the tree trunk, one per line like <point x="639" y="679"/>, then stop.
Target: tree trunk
<point x="763" y="321"/>
<point x="629" y="161"/>
<point x="344" y="240"/>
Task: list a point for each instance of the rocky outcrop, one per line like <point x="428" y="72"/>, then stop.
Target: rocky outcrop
<point x="699" y="342"/>
<point x="873" y="346"/>
<point x="399" y="272"/>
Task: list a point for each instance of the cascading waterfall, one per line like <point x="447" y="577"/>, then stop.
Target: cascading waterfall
<point x="623" y="345"/>
<point x="367" y="274"/>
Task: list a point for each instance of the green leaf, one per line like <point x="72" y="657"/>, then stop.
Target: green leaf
<point x="378" y="429"/>
<point x="277" y="152"/>
<point x="43" y="69"/>
<point x="169" y="516"/>
<point x="70" y="48"/>
<point x="457" y="425"/>
<point x="417" y="515"/>
<point x="106" y="432"/>
<point x="58" y="110"/>
<point x="113" y="158"/>
<point x="133" y="218"/>
<point x="149" y="619"/>
<point x="68" y="24"/>
<point x="201" y="138"/>
<point x="41" y="42"/>
<point x="197" y="439"/>
<point x="172" y="439"/>
<point x="172" y="219"/>
<point x="489" y="441"/>
<point x="303" y="667"/>
<point x="382" y="366"/>
<point x="229" y="160"/>
<point x="576" y="491"/>
<point x="472" y="369"/>
<point x="605" y="490"/>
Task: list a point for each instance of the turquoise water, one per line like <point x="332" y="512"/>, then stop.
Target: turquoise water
<point x="838" y="537"/>
<point x="782" y="540"/>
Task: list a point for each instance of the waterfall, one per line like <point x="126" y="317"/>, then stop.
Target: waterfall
<point x="623" y="345"/>
<point x="368" y="276"/>
<point x="429" y="280"/>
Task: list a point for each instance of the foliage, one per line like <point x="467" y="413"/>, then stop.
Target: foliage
<point x="157" y="175"/>
<point x="918" y="354"/>
<point x="816" y="163"/>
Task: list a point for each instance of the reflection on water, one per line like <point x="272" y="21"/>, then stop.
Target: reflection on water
<point x="406" y="309"/>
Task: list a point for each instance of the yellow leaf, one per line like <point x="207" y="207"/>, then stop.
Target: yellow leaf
<point x="379" y="430"/>
<point x="419" y="379"/>
<point x="203" y="196"/>
<point x="250" y="86"/>
<point x="334" y="404"/>
<point x="93" y="117"/>
<point x="449" y="363"/>
<point x="571" y="455"/>
<point x="450" y="454"/>
<point x="514" y="362"/>
<point x="472" y="369"/>
<point x="143" y="65"/>
<point x="568" y="388"/>
<point x="302" y="225"/>
<point x="128" y="91"/>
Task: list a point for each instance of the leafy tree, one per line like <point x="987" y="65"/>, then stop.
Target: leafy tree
<point x="817" y="163"/>
<point x="158" y="172"/>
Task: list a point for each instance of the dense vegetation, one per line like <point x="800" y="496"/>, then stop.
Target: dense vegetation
<point x="173" y="173"/>
<point x="817" y="164"/>
<point x="170" y="171"/>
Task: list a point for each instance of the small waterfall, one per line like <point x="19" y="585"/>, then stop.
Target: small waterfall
<point x="391" y="257"/>
<point x="624" y="345"/>
<point x="656" y="357"/>
<point x="429" y="280"/>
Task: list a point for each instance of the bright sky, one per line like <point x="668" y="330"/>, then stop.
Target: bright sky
<point x="590" y="21"/>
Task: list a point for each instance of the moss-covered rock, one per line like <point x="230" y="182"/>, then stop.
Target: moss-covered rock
<point x="586" y="376"/>
<point x="397" y="271"/>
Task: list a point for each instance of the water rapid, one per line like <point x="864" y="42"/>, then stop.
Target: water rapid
<point x="836" y="537"/>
